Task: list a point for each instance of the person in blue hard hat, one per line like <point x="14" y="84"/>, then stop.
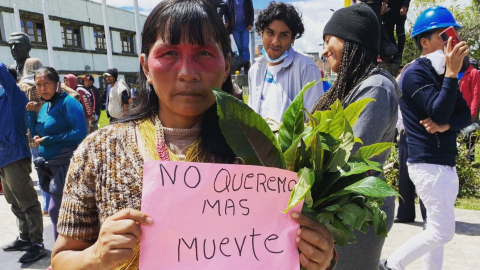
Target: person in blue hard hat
<point x="433" y="112"/>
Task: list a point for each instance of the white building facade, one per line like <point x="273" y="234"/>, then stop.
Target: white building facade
<point x="76" y="34"/>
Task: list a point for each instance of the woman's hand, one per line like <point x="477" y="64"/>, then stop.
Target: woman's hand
<point x="32" y="106"/>
<point x="37" y="139"/>
<point x="315" y="243"/>
<point x="117" y="238"/>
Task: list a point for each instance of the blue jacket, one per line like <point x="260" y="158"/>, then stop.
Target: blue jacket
<point x="426" y="94"/>
<point x="13" y="121"/>
<point x="62" y="125"/>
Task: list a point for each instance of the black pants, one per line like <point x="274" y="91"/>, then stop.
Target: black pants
<point x="377" y="7"/>
<point x="393" y="21"/>
<point x="406" y="188"/>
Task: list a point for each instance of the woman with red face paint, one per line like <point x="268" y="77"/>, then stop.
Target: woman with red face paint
<point x="351" y="49"/>
<point x="184" y="55"/>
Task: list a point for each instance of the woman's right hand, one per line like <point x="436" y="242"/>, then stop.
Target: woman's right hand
<point x="32" y="106"/>
<point x="118" y="237"/>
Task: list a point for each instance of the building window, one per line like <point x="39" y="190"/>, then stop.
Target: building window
<point x="127" y="44"/>
<point x="71" y="37"/>
<point x="34" y="29"/>
<point x="99" y="36"/>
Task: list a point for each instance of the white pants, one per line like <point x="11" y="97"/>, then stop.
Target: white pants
<point x="437" y="186"/>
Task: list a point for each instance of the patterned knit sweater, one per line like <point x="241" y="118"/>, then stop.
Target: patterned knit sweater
<point x="105" y="176"/>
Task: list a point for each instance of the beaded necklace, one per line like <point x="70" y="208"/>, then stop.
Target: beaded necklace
<point x="151" y="131"/>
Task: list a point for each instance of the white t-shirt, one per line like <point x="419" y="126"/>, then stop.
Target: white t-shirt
<point x="268" y="102"/>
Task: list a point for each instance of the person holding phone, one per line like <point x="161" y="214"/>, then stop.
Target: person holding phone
<point x="433" y="112"/>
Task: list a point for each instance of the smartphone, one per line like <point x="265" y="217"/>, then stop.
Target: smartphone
<point x="450" y="32"/>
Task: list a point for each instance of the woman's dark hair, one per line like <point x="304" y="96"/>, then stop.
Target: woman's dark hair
<point x="427" y="34"/>
<point x="194" y="22"/>
<point x="51" y="73"/>
<point x="283" y="12"/>
<point x="355" y="65"/>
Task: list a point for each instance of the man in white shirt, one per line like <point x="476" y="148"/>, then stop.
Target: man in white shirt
<point x="118" y="98"/>
<point x="280" y="74"/>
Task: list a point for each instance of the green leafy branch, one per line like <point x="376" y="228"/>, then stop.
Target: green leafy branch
<point x="334" y="184"/>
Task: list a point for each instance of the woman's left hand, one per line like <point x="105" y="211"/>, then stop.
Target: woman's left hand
<point x="315" y="243"/>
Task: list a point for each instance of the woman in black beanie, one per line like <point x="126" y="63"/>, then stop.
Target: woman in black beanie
<point x="352" y="38"/>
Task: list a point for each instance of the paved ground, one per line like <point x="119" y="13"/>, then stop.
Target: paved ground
<point x="463" y="252"/>
<point x="9" y="231"/>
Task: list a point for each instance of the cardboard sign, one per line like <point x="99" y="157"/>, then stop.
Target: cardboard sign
<point x="217" y="216"/>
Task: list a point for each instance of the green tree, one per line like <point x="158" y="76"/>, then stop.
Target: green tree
<point x="468" y="18"/>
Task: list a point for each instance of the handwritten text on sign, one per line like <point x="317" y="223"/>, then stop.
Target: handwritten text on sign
<point x="217" y="216"/>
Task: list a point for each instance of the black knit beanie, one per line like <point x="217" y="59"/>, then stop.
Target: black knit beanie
<point x="357" y="23"/>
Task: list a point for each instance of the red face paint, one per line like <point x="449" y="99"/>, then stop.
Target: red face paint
<point x="183" y="75"/>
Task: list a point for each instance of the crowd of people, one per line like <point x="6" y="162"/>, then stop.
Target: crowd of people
<point x="92" y="184"/>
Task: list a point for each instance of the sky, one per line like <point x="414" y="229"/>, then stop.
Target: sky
<point x="315" y="14"/>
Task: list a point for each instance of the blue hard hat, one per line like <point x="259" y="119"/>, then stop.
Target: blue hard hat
<point x="434" y="18"/>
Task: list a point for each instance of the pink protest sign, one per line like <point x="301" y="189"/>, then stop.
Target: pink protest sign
<point x="217" y="216"/>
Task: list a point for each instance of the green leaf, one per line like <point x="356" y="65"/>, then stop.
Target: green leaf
<point x="247" y="133"/>
<point x="305" y="160"/>
<point x="317" y="156"/>
<point x="306" y="177"/>
<point x="357" y="166"/>
<point x="340" y="232"/>
<point x="308" y="199"/>
<point x="379" y="221"/>
<point x="353" y="111"/>
<point x="369" y="186"/>
<point x="342" y="200"/>
<point x="364" y="229"/>
<point x="338" y="186"/>
<point x="337" y="126"/>
<point x="325" y="218"/>
<point x="353" y="215"/>
<point x="292" y="154"/>
<point x="309" y="212"/>
<point x="369" y="151"/>
<point x="293" y="120"/>
<point x="358" y="140"/>
<point x="332" y="208"/>
<point x="319" y="117"/>
<point x="341" y="154"/>
<point x="372" y="187"/>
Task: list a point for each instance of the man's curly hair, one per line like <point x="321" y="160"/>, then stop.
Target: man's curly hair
<point x="283" y="12"/>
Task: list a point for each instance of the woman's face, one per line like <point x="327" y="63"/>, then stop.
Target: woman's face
<point x="183" y="76"/>
<point x="66" y="82"/>
<point x="333" y="51"/>
<point x="45" y="87"/>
